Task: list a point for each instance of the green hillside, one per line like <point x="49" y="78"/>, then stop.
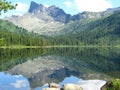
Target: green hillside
<point x="14" y="35"/>
<point x="105" y="31"/>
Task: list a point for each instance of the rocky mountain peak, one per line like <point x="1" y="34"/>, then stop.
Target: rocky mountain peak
<point x="111" y="10"/>
<point x="36" y="8"/>
<point x="54" y="12"/>
<point x="58" y="14"/>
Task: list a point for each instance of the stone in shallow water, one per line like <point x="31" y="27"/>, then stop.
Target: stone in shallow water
<point x="71" y="87"/>
<point x="50" y="89"/>
<point x="54" y="85"/>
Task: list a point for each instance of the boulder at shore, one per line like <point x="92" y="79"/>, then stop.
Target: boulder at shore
<point x="71" y="87"/>
<point x="53" y="85"/>
<point x="50" y="89"/>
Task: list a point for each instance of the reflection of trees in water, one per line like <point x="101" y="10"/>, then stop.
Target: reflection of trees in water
<point x="81" y="62"/>
<point x="11" y="57"/>
<point x="103" y="60"/>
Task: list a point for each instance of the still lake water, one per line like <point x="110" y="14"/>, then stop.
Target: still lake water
<point x="22" y="69"/>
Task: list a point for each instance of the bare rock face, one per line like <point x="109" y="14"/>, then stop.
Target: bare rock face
<point x="71" y="87"/>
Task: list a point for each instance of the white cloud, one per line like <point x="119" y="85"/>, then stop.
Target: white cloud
<point x="22" y="7"/>
<point x="19" y="84"/>
<point x="92" y="5"/>
<point x="68" y="3"/>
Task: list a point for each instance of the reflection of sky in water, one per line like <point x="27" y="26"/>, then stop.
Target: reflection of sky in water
<point x="18" y="82"/>
<point x="13" y="82"/>
<point x="85" y="84"/>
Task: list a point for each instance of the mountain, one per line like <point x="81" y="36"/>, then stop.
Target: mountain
<point x="111" y="10"/>
<point x="14" y="35"/>
<point x="105" y="31"/>
<point x="56" y="13"/>
<point x="38" y="20"/>
<point x="44" y="25"/>
<point x="54" y="21"/>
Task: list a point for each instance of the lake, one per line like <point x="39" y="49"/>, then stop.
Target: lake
<point x="22" y="69"/>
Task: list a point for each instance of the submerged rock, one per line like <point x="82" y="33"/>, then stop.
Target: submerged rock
<point x="71" y="87"/>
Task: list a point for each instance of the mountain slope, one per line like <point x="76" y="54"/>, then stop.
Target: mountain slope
<point x="38" y="20"/>
<point x="35" y="24"/>
<point x="105" y="31"/>
<point x="52" y="20"/>
<point x="14" y="35"/>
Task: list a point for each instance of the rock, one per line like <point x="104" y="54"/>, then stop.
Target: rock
<point x="71" y="87"/>
<point x="50" y="89"/>
<point x="53" y="85"/>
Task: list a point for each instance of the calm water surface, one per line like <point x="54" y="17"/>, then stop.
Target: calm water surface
<point x="22" y="69"/>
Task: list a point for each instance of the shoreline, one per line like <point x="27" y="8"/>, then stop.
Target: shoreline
<point x="59" y="46"/>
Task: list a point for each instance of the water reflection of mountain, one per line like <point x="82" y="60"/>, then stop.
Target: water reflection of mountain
<point x="42" y="66"/>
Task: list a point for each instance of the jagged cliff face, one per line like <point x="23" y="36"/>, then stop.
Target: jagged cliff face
<point x="54" y="12"/>
<point x="52" y="20"/>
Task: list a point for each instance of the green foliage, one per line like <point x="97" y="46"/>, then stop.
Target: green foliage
<point x="1" y="41"/>
<point x="5" y="6"/>
<point x="112" y="85"/>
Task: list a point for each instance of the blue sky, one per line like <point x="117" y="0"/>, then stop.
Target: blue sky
<point x="69" y="6"/>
